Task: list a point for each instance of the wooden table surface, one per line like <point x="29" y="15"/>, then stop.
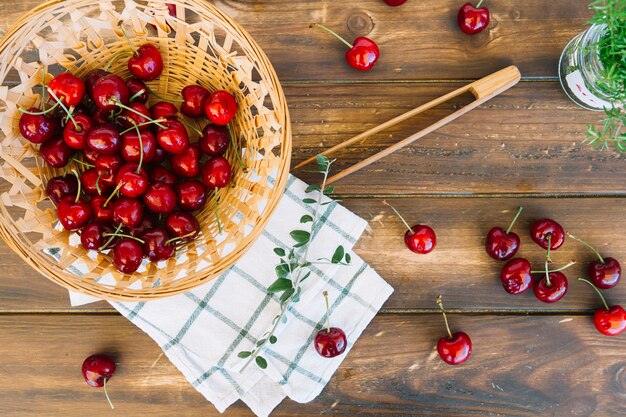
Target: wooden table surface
<point x="521" y="148"/>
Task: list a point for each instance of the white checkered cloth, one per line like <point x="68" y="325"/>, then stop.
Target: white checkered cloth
<point x="203" y="330"/>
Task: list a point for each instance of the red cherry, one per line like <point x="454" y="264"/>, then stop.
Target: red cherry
<point x="180" y="223"/>
<point x="129" y="118"/>
<point x="104" y="139"/>
<point x="394" y="3"/>
<point x="163" y="110"/>
<point x="133" y="183"/>
<point x="127" y="211"/>
<point x="68" y="88"/>
<point x="92" y="183"/>
<point x="330" y="342"/>
<point x="418" y="238"/>
<point x="109" y="90"/>
<point x="91" y="77"/>
<point x="108" y="166"/>
<point x="101" y="116"/>
<point x="90" y="155"/>
<point x="100" y="212"/>
<point x="191" y="195"/>
<point x="160" y="198"/>
<point x="516" y="276"/>
<point x="73" y="214"/>
<point x="131" y="150"/>
<point x="37" y="128"/>
<point x="148" y="222"/>
<point x="173" y="138"/>
<point x="61" y="186"/>
<point x="91" y="236"/>
<point x="456" y="348"/>
<point x="75" y="135"/>
<point x="187" y="163"/>
<point x="127" y="255"/>
<point x="147" y="63"/>
<point x="214" y="140"/>
<point x="156" y="245"/>
<point x="194" y="97"/>
<point x="216" y="173"/>
<point x="56" y="153"/>
<point x="502" y="245"/>
<point x="220" y="107"/>
<point x="541" y="229"/>
<point x="159" y="173"/>
<point x="605" y="273"/>
<point x="137" y="90"/>
<point x="159" y="155"/>
<point x="551" y="290"/>
<point x="363" y="52"/>
<point x="611" y="321"/>
<point x="472" y="19"/>
<point x="97" y="369"/>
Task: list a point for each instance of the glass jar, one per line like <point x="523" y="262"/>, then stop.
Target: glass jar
<point x="580" y="70"/>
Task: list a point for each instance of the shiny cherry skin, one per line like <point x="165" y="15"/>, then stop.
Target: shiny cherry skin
<point x="330" y="342"/>
<point x="127" y="255"/>
<point x="611" y="322"/>
<point x="134" y="183"/>
<point x="159" y="173"/>
<point x="363" y="54"/>
<point x="96" y="369"/>
<point x="195" y="97"/>
<point x="75" y="135"/>
<point x="181" y="223"/>
<point x="159" y="155"/>
<point x="101" y="117"/>
<point x="109" y="90"/>
<point x="72" y="214"/>
<point x="472" y="20"/>
<point x="90" y="155"/>
<point x="100" y="212"/>
<point x="216" y="173"/>
<point x="104" y="139"/>
<point x="155" y="244"/>
<point x="127" y="211"/>
<point x="68" y="88"/>
<point x="163" y="110"/>
<point x="541" y="229"/>
<point x="147" y="63"/>
<point x="137" y="90"/>
<point x="91" y="236"/>
<point x="515" y="276"/>
<point x="55" y="152"/>
<point x="90" y="79"/>
<point x="455" y="351"/>
<point x="147" y="223"/>
<point x="91" y="182"/>
<point x="59" y="187"/>
<point x="108" y="166"/>
<point x="605" y="275"/>
<point x="191" y="195"/>
<point x="131" y="149"/>
<point x="214" y="140"/>
<point x="220" y="107"/>
<point x="394" y="3"/>
<point x="187" y="163"/>
<point x="128" y="118"/>
<point x="37" y="128"/>
<point x="501" y="245"/>
<point x="422" y="239"/>
<point x="160" y="198"/>
<point x="553" y="292"/>
<point x="173" y="138"/>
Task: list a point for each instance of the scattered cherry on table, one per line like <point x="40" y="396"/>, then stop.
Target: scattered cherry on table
<point x="515" y="276"/>
<point x="455" y="348"/>
<point x="395" y="3"/>
<point x="473" y="19"/>
<point x="606" y="272"/>
<point x="330" y="341"/>
<point x="610" y="321"/>
<point x="97" y="370"/>
<point x="419" y="238"/>
<point x="502" y="244"/>
<point x="362" y="54"/>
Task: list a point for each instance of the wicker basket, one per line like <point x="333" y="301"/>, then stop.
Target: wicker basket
<point x="201" y="45"/>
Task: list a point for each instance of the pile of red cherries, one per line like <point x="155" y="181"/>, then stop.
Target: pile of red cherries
<point x="140" y="178"/>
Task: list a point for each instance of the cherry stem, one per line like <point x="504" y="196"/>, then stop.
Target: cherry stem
<point x="58" y="100"/>
<point x="548" y="258"/>
<point x="236" y="149"/>
<point x="548" y="283"/>
<point x="37" y="113"/>
<point x="124" y="235"/>
<point x="479" y="3"/>
<point x="195" y="129"/>
<point x="399" y="215"/>
<point x="87" y="164"/>
<point x="125" y="107"/>
<point x="217" y="215"/>
<point x="98" y="183"/>
<point x="108" y="242"/>
<point x="137" y="94"/>
<point x="588" y="245"/>
<point x="106" y="394"/>
<point x="174" y="239"/>
<point x="127" y="39"/>
<point x="43" y="87"/>
<point x="140" y="149"/>
<point x="79" y="185"/>
<point x="335" y="34"/>
<point x="519" y="211"/>
<point x="445" y="318"/>
<point x="151" y="122"/>
<point x="171" y="100"/>
<point x="567" y="265"/>
<point x="325" y="294"/>
<point x="119" y="186"/>
<point x="114" y="58"/>
<point x="597" y="290"/>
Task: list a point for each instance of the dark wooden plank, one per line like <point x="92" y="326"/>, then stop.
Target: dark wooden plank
<point x="458" y="267"/>
<point x="419" y="40"/>
<point x="521" y="366"/>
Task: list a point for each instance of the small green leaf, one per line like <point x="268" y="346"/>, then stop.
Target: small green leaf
<point x="244" y="354"/>
<point x="279" y="251"/>
<point x="306" y="218"/>
<point x="309" y="201"/>
<point x="322" y="162"/>
<point x="338" y="255"/>
<point x="260" y="342"/>
<point x="281" y="284"/>
<point x="300" y="236"/>
<point x="348" y="258"/>
<point x="282" y="270"/>
<point x="273" y="339"/>
<point x="286" y="295"/>
<point x="261" y="362"/>
<point x="328" y="202"/>
<point x="312" y="187"/>
<point x="305" y="277"/>
<point x="299" y="245"/>
<point x="284" y="319"/>
<point x="329" y="190"/>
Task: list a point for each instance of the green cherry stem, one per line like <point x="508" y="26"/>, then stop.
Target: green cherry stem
<point x="217" y="215"/>
<point x="58" y="100"/>
<point x="151" y="122"/>
<point x="106" y="394"/>
<point x="37" y="113"/>
<point x="332" y="32"/>
<point x="325" y="294"/>
<point x="548" y="258"/>
<point x="137" y="94"/>
<point x="445" y="318"/>
<point x="597" y="290"/>
<point x="140" y="149"/>
<point x="548" y="283"/>
<point x="519" y="211"/>
<point x="399" y="215"/>
<point x="174" y="239"/>
<point x="479" y="3"/>
<point x="108" y="242"/>
<point x="187" y="125"/>
<point x="567" y="265"/>
<point x="98" y="183"/>
<point x="127" y="38"/>
<point x="124" y="235"/>
<point x="83" y="163"/>
<point x="79" y="185"/>
<point x="119" y="186"/>
<point x="171" y="100"/>
<point x="43" y="87"/>
<point x="114" y="58"/>
<point x="236" y="149"/>
<point x="125" y="107"/>
<point x="588" y="245"/>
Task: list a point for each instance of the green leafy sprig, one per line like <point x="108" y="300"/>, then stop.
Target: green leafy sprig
<point x="293" y="267"/>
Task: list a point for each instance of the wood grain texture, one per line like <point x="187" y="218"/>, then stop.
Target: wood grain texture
<point x="520" y="367"/>
<point x="419" y="40"/>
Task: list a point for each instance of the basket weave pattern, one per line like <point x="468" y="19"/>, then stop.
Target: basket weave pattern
<point x="200" y="45"/>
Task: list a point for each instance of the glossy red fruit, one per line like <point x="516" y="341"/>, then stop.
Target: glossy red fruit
<point x="395" y="2"/>
<point x="163" y="110"/>
<point x="137" y="90"/>
<point x="159" y="173"/>
<point x="100" y="212"/>
<point x="220" y="107"/>
<point x="363" y="54"/>
<point x="611" y="322"/>
<point x="156" y="246"/>
<point x="195" y="97"/>
<point x="472" y="20"/>
<point x="552" y="291"/>
<point x="55" y="152"/>
<point x="421" y="239"/>
<point x="98" y="368"/>
<point x="541" y="229"/>
<point x="68" y="88"/>
<point x="133" y="183"/>
<point x="160" y="198"/>
<point x="187" y="163"/>
<point x="92" y="183"/>
<point x="605" y="275"/>
<point x="131" y="149"/>
<point x="216" y="173"/>
<point x="90" y="155"/>
<point x="180" y="223"/>
<point x="127" y="255"/>
<point x="101" y="116"/>
<point x="91" y="236"/>
<point x="108" y="91"/>
<point x="173" y="138"/>
<point x="59" y="187"/>
<point x="159" y="155"/>
<point x="139" y="116"/>
<point x="127" y="211"/>
<point x="104" y="139"/>
<point x="501" y="245"/>
<point x="330" y="342"/>
<point x="75" y="135"/>
<point x="37" y="128"/>
<point x="214" y="140"/>
<point x="515" y="276"/>
<point x="191" y="195"/>
<point x="455" y="350"/>
<point x="90" y="79"/>
<point x="108" y="166"/>
<point x="73" y="214"/>
<point x="148" y="222"/>
<point x="147" y="63"/>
